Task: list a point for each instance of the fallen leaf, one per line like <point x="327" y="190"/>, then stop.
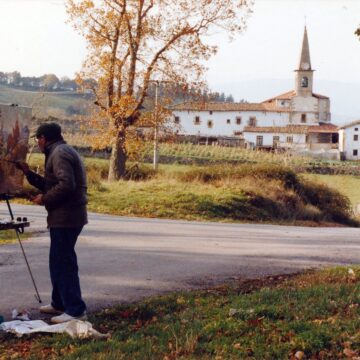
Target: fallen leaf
<point x="232" y="312"/>
<point x="299" y="355"/>
<point x="255" y="322"/>
<point x="352" y="275"/>
<point x="331" y="319"/>
<point x="349" y="353"/>
<point x="181" y="300"/>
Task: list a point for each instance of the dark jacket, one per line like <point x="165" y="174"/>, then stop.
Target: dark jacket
<point x="64" y="186"/>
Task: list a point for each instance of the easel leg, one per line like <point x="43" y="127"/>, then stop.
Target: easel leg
<point x="37" y="295"/>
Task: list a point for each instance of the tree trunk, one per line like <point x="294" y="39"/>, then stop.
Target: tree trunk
<point x="118" y="158"/>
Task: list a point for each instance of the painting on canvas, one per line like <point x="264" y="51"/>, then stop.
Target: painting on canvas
<point x="14" y="138"/>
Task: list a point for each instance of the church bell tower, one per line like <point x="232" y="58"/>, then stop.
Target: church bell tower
<point x="304" y="73"/>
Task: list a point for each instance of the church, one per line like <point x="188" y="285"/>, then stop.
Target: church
<point x="298" y="119"/>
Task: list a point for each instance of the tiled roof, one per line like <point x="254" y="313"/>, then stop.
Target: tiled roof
<point x="216" y="106"/>
<point x="323" y="128"/>
<point x="293" y="129"/>
<point x="289" y="95"/>
<point x="285" y="96"/>
<point x="356" y="122"/>
<point x="320" y="96"/>
<point x="297" y="129"/>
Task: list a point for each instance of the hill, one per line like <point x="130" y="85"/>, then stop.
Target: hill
<point x="64" y="104"/>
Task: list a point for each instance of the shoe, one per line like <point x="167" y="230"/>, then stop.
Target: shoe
<point x="65" y="318"/>
<point x="49" y="309"/>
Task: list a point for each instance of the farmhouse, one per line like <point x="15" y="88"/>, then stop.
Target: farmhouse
<point x="298" y="119"/>
<point x="349" y="142"/>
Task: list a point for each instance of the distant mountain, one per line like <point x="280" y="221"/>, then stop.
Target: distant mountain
<point x="344" y="97"/>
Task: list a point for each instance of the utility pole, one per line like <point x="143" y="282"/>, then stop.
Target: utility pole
<point x="156" y="146"/>
<point x="156" y="121"/>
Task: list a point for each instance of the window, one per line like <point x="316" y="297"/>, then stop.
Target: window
<point x="228" y="121"/>
<point x="238" y="120"/>
<point x="356" y="137"/>
<point x="276" y="141"/>
<point x="304" y="82"/>
<point x="177" y="120"/>
<point x="210" y="124"/>
<point x="355" y="152"/>
<point x="324" y="138"/>
<point x="197" y="120"/>
<point x="252" y="121"/>
<point x="303" y="118"/>
<point x="259" y="140"/>
<point x="289" y="139"/>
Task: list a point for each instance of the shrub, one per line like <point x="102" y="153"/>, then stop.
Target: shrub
<point x="333" y="205"/>
<point x="137" y="172"/>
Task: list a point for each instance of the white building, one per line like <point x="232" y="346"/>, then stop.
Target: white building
<point x="349" y="142"/>
<point x="298" y="118"/>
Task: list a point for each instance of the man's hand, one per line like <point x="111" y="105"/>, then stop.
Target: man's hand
<point x="23" y="166"/>
<point x="37" y="199"/>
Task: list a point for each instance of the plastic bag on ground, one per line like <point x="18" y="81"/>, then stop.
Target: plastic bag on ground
<point x="74" y="328"/>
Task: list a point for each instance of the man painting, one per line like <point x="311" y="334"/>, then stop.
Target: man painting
<point x="63" y="193"/>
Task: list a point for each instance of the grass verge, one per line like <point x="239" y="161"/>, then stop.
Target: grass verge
<point x="315" y="315"/>
<point x="229" y="193"/>
<point x="9" y="237"/>
<point x="255" y="193"/>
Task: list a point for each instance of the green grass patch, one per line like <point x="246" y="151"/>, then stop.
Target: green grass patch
<point x="9" y="237"/>
<point x="316" y="313"/>
<point x="348" y="185"/>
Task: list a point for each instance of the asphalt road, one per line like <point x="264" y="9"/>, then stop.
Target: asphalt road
<point x="125" y="259"/>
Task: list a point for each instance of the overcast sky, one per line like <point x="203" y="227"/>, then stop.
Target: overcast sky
<point x="35" y="40"/>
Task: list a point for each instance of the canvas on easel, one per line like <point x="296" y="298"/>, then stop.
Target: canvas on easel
<point x="14" y="139"/>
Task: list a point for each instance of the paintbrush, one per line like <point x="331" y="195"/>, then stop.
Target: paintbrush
<point x="10" y="161"/>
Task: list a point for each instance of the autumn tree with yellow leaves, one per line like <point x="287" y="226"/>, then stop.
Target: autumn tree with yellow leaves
<point x="133" y="42"/>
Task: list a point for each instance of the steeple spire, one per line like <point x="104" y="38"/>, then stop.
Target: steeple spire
<point x="304" y="73"/>
<point x="305" y="63"/>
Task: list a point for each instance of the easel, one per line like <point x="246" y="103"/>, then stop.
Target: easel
<point x="18" y="225"/>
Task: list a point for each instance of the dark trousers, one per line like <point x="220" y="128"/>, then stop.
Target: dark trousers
<point x="66" y="294"/>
